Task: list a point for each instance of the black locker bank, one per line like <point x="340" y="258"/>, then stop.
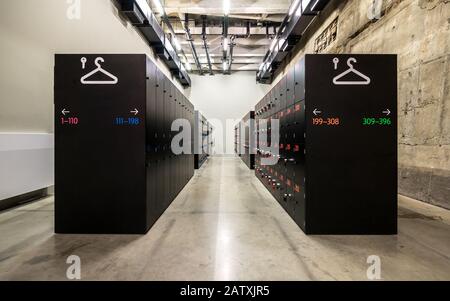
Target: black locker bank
<point x="115" y="171"/>
<point x="336" y="170"/>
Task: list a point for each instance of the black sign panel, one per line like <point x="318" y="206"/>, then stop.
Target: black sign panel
<point x="351" y="149"/>
<point x="100" y="143"/>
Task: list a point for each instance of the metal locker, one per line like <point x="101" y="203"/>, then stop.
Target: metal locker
<point x="159" y="179"/>
<point x="290" y="87"/>
<point x="289" y="196"/>
<point x="299" y="123"/>
<point x="159" y="113"/>
<point x="151" y="158"/>
<point x="300" y="80"/>
<point x="282" y="92"/>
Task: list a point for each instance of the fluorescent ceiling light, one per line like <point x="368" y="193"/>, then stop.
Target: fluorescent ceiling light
<point x="305" y="4"/>
<point x="159" y="7"/>
<point x="293" y="7"/>
<point x="274" y="43"/>
<point x="143" y="5"/>
<point x="226" y="7"/>
<point x="314" y="5"/>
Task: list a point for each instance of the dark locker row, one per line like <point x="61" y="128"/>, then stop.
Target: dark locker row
<point x="203" y="139"/>
<point x="245" y="139"/>
<point x="335" y="168"/>
<point x="115" y="171"/>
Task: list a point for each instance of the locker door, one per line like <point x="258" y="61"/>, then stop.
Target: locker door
<point x="299" y="122"/>
<point x="299" y="185"/>
<point x="166" y="148"/>
<point x="178" y="158"/>
<point x="290" y="142"/>
<point x="290" y="87"/>
<point x="276" y="98"/>
<point x="289" y="200"/>
<point x="183" y="156"/>
<point x="159" y="111"/>
<point x="300" y="80"/>
<point x="282" y="92"/>
<point x="191" y="156"/>
<point x="172" y="160"/>
<point x="151" y="143"/>
<point x="159" y="180"/>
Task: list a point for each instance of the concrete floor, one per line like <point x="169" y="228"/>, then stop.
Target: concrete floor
<point x="224" y="226"/>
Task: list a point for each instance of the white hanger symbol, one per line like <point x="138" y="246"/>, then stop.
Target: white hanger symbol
<point x="336" y="80"/>
<point x="114" y="80"/>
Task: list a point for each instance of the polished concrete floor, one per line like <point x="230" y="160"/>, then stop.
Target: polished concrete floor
<point x="224" y="226"/>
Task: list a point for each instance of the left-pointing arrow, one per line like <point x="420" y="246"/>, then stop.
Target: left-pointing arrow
<point x="64" y="112"/>
<point x="135" y="112"/>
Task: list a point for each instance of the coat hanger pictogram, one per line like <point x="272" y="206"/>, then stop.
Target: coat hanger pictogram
<point x="84" y="80"/>
<point x="366" y="80"/>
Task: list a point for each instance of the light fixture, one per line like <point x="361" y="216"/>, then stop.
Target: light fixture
<point x="188" y="66"/>
<point x="305" y="4"/>
<point x="314" y="5"/>
<point x="225" y="44"/>
<point x="293" y="7"/>
<point x="281" y="43"/>
<point x="226" y="7"/>
<point x="159" y="7"/>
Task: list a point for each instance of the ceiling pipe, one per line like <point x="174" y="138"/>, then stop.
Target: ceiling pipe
<point x="191" y="44"/>
<point x="232" y="44"/>
<point x="205" y="43"/>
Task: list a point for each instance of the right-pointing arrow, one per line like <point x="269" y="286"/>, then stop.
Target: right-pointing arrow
<point x="387" y="112"/>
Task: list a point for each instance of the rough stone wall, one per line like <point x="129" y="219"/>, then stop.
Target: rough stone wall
<point x="418" y="31"/>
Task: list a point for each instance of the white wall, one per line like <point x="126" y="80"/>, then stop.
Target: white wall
<point x="222" y="97"/>
<point x="26" y="163"/>
<point x="31" y="32"/>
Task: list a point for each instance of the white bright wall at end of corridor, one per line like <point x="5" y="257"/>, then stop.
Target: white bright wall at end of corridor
<point x="226" y="97"/>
